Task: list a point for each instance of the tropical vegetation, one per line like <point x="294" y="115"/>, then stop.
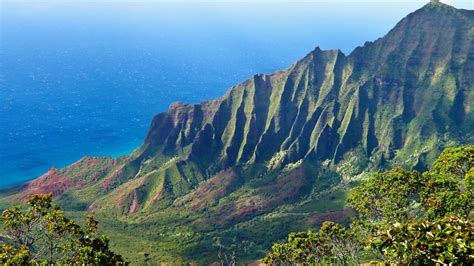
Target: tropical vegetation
<point x="42" y="234"/>
<point x="280" y="152"/>
<point x="403" y="217"/>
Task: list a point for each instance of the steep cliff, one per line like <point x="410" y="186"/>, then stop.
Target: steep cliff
<point x="282" y="139"/>
<point x="398" y="100"/>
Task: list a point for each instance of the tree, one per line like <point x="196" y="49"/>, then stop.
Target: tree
<point x="344" y="243"/>
<point x="391" y="195"/>
<point x="302" y="247"/>
<point x="42" y="233"/>
<point x="400" y="195"/>
<point x="403" y="216"/>
<point x="447" y="240"/>
<point x="332" y="243"/>
<point x="421" y="218"/>
<point x="12" y="256"/>
<point x="449" y="185"/>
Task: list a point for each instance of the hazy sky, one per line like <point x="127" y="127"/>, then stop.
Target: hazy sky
<point x="458" y="3"/>
<point x="467" y="4"/>
<point x="302" y="24"/>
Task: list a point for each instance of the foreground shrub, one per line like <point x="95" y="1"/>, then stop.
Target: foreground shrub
<point x="403" y="217"/>
<point x="42" y="234"/>
<point x="445" y="241"/>
<point x="331" y="244"/>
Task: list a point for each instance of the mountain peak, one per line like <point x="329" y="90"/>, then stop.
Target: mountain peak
<point x="438" y="5"/>
<point x="320" y="51"/>
<point x="269" y="141"/>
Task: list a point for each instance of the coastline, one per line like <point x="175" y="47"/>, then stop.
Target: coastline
<point x="112" y="152"/>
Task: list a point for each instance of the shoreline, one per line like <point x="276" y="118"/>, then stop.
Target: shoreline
<point x="112" y="153"/>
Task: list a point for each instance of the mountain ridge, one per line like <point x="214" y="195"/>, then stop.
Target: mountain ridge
<point x="276" y="141"/>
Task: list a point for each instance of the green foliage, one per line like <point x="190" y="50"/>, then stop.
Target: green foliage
<point x="43" y="234"/>
<point x="390" y="195"/>
<point x="445" y="240"/>
<point x="344" y="243"/>
<point x="400" y="195"/>
<point x="306" y="248"/>
<point x="12" y="256"/>
<point x="405" y="217"/>
<point x="450" y="183"/>
<point x="433" y="222"/>
<point x="332" y="243"/>
<point x="392" y="101"/>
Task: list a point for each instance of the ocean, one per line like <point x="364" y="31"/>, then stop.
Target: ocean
<point x="86" y="77"/>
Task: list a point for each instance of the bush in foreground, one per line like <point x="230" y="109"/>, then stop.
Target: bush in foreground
<point x="42" y="234"/>
<point x="403" y="217"/>
<point x="331" y="244"/>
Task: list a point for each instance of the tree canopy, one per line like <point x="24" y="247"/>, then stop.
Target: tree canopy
<point x="403" y="216"/>
<point x="331" y="244"/>
<point x="43" y="234"/>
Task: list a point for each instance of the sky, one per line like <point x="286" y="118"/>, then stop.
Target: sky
<point x="85" y="77"/>
<point x="274" y="18"/>
<point x="457" y="3"/>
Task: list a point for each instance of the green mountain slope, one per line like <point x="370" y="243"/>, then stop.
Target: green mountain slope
<point x="276" y="152"/>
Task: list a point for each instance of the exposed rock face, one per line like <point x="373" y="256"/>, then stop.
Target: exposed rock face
<point x="397" y="100"/>
<point x="396" y="96"/>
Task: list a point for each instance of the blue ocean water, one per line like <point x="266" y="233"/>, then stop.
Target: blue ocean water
<point x="86" y="77"/>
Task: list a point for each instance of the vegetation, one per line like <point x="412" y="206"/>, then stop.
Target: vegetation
<point x="387" y="196"/>
<point x="42" y="234"/>
<point x="446" y="240"/>
<point x="403" y="217"/>
<point x="331" y="244"/>
<point x="278" y="154"/>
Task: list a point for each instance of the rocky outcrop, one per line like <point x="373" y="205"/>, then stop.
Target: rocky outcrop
<point x="392" y="97"/>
